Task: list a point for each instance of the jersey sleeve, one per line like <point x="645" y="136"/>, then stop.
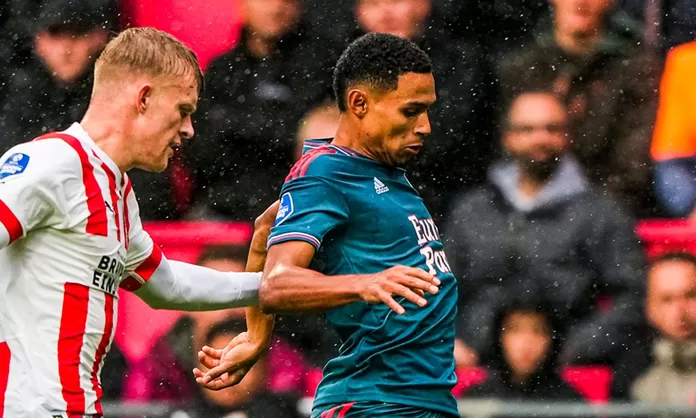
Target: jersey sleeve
<point x="309" y="209"/>
<point x="143" y="257"/>
<point x="34" y="182"/>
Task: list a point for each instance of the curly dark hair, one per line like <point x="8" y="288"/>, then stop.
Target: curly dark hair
<point x="377" y="59"/>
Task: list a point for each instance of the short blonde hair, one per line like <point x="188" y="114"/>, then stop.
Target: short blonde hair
<point x="146" y="51"/>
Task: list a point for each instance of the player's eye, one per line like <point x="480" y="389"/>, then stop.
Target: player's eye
<point x="409" y="113"/>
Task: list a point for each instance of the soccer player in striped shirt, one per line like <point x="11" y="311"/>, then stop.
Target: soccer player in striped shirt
<point x="71" y="236"/>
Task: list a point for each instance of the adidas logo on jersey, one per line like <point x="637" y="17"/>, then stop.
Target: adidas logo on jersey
<point x="380" y="187"/>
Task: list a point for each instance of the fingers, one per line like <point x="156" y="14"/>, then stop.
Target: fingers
<point x="224" y="381"/>
<point x="405" y="292"/>
<point x="207" y="361"/>
<point x="388" y="300"/>
<point x="421" y="274"/>
<point x="215" y="353"/>
<point x="417" y="283"/>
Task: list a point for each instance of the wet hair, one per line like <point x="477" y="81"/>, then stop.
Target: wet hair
<point x="683" y="256"/>
<point x="223" y="252"/>
<point x="377" y="60"/>
<point x="146" y="51"/>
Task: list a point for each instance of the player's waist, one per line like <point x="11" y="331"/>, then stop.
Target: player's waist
<point x="423" y="398"/>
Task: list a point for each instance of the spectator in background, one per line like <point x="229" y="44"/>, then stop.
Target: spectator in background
<point x="255" y="96"/>
<point x="51" y="88"/>
<point x="165" y="375"/>
<point x="674" y="137"/>
<point x="523" y="365"/>
<point x="539" y="226"/>
<point x="608" y="81"/>
<point x="670" y="22"/>
<point x="460" y="146"/>
<point x="498" y="26"/>
<point x="250" y="398"/>
<point x="320" y="122"/>
<point x="671" y="308"/>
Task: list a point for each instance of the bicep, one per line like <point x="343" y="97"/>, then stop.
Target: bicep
<point x="290" y="254"/>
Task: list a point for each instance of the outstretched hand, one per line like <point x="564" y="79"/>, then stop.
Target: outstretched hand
<point x="227" y="367"/>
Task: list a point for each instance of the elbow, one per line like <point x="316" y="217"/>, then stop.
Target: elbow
<point x="269" y="298"/>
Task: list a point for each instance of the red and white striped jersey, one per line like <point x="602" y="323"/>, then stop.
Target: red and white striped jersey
<point x="81" y="236"/>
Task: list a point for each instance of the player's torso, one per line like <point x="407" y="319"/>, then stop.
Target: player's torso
<point x="60" y="302"/>
<point x="388" y="225"/>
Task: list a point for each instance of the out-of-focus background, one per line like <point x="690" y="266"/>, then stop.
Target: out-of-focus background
<point x="577" y="294"/>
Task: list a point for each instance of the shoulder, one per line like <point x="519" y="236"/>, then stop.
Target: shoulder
<point x="322" y="163"/>
<point x="49" y="158"/>
<point x="480" y="197"/>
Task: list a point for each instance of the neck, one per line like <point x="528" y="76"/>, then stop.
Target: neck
<point x="518" y="378"/>
<point x="259" y="46"/>
<point x="108" y="134"/>
<point x="349" y="135"/>
<point x="529" y="185"/>
<point x="578" y="42"/>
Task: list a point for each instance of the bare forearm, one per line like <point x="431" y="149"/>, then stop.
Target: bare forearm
<point x="296" y="289"/>
<point x="259" y="324"/>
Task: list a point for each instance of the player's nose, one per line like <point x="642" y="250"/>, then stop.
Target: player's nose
<point x="423" y="125"/>
<point x="187" y="131"/>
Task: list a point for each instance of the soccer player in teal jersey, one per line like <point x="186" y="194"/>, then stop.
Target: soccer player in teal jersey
<point x="351" y="232"/>
<point x="347" y="212"/>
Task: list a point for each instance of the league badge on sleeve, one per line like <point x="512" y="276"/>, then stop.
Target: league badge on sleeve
<point x="285" y="209"/>
<point x="15" y="164"/>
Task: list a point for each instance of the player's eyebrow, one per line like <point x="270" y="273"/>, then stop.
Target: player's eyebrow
<point x="188" y="108"/>
<point x="417" y="104"/>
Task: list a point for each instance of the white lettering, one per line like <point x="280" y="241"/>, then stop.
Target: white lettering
<point x="429" y="259"/>
<point x="419" y="233"/>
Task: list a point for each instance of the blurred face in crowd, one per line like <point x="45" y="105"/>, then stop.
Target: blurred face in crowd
<point x="395" y="123"/>
<point x="237" y="395"/>
<point x="404" y="18"/>
<point x="67" y="53"/>
<point x="536" y="133"/>
<point x="271" y="19"/>
<point x="164" y="120"/>
<point x="671" y="301"/>
<point x="526" y="342"/>
<point x="580" y="16"/>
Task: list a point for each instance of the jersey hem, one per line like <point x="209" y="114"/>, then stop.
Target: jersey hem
<point x="421" y="403"/>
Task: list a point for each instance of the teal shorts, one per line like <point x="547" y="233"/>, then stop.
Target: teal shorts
<point x="374" y="410"/>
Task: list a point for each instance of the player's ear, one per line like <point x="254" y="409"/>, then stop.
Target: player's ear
<point x="357" y="102"/>
<point x="144" y="98"/>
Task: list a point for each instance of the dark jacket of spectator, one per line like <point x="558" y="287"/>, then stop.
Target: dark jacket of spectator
<point x="612" y="100"/>
<point x="461" y="146"/>
<point x="248" y="115"/>
<point x="36" y="104"/>
<point x="573" y="242"/>
<point x="498" y="26"/>
<point x="545" y="384"/>
<point x="674" y="20"/>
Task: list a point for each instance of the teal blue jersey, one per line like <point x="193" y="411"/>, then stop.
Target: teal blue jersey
<point x="364" y="217"/>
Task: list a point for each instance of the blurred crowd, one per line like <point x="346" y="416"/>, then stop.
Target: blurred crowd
<point x="558" y="124"/>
